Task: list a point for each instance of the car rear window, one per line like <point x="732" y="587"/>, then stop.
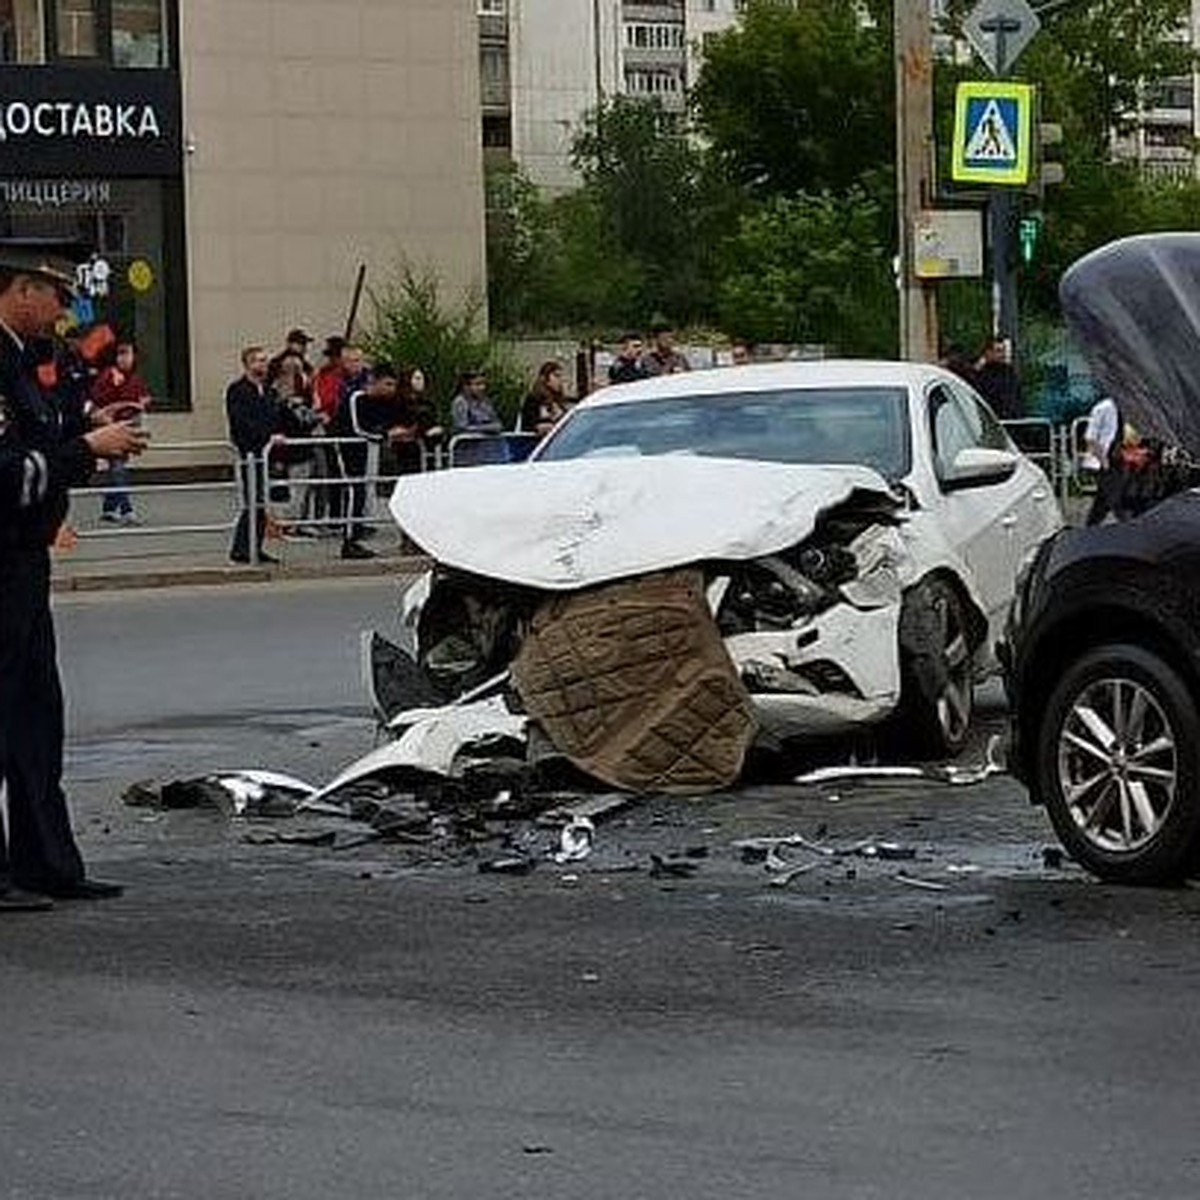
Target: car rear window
<point x="866" y="426"/>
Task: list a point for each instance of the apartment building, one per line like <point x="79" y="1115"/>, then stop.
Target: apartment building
<point x="544" y="63"/>
<point x="232" y="162"/>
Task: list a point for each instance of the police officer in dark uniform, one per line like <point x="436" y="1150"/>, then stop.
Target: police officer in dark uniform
<point x="42" y="453"/>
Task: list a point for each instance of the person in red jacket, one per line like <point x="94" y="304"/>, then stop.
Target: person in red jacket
<point x="119" y="394"/>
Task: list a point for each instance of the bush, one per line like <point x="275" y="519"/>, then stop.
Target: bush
<point x="411" y="327"/>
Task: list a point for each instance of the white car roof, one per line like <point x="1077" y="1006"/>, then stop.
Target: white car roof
<point x="768" y="377"/>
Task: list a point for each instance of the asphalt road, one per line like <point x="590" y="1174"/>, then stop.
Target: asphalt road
<point x="293" y="1021"/>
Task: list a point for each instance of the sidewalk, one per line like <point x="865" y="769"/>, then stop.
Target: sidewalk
<point x="184" y="538"/>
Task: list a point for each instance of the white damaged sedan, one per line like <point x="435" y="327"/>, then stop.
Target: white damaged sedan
<point x="853" y="529"/>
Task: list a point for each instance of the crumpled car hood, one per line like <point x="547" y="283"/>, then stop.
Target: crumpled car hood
<point x="566" y="525"/>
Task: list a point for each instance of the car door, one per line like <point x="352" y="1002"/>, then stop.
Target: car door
<point x="1037" y="511"/>
<point x="981" y="521"/>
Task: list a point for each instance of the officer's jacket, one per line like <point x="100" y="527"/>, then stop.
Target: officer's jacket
<point x="40" y="455"/>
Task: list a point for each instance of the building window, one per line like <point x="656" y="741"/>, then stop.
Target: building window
<point x="119" y="33"/>
<point x="659" y="36"/>
<point x="75" y="29"/>
<point x="642" y="82"/>
<point x="492" y="8"/>
<point x="21" y="39"/>
<point x="493" y="77"/>
<point x="497" y="132"/>
<point x="137" y="34"/>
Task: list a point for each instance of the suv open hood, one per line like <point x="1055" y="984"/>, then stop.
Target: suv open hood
<point x="567" y="525"/>
<point x="1133" y="307"/>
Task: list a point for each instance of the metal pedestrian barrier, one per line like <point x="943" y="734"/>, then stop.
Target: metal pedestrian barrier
<point x="224" y="487"/>
<point x="324" y="497"/>
<point x="338" y="486"/>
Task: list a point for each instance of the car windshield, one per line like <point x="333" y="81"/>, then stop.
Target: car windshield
<point x="863" y="426"/>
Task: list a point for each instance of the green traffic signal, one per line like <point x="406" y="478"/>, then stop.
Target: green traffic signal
<point x="1028" y="232"/>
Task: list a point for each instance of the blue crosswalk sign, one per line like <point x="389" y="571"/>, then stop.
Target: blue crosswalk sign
<point x="992" y="129"/>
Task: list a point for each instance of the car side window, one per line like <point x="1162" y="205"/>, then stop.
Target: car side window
<point x="993" y="435"/>
<point x="953" y="425"/>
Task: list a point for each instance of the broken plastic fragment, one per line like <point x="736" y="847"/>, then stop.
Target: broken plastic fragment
<point x="925" y="885"/>
<point x="576" y="840"/>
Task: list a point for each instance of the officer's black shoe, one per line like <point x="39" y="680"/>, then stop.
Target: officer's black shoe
<point x="14" y="899"/>
<point x="354" y="550"/>
<point x="86" y="889"/>
<point x="269" y="559"/>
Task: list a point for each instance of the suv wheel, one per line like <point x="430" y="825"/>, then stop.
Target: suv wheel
<point x="1117" y="761"/>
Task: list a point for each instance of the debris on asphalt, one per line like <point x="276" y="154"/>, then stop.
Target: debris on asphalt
<point x="671" y="868"/>
<point x="787" y="874"/>
<point x="888" y="852"/>
<point x="246" y="793"/>
<point x="925" y="885"/>
<point x="290" y="837"/>
<point x="576" y="840"/>
<point x="950" y="774"/>
<point x="513" y="865"/>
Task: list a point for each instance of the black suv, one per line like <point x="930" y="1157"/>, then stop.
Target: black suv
<point x="1103" y="652"/>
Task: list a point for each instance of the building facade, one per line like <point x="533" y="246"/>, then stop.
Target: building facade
<point x="550" y="61"/>
<point x="230" y="164"/>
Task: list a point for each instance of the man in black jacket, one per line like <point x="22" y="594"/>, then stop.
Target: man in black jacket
<point x="255" y="422"/>
<point x="369" y="413"/>
<point x="42" y="454"/>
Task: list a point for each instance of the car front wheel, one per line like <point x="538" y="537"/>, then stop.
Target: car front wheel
<point x="1117" y="765"/>
<point x="937" y="671"/>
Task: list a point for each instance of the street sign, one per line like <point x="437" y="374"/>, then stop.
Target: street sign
<point x="993" y="128"/>
<point x="999" y="30"/>
<point x="948" y="244"/>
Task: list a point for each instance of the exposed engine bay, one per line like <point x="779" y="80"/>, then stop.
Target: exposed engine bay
<point x="636" y="681"/>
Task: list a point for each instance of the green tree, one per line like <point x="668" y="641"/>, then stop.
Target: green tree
<point x="799" y="98"/>
<point x="653" y="199"/>
<point x="413" y="326"/>
<point x="1095" y="60"/>
<point x="812" y="268"/>
<point x="519" y="232"/>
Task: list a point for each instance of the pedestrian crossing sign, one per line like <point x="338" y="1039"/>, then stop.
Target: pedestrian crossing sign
<point x="993" y="128"/>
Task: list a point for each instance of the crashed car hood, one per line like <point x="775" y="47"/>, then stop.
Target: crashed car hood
<point x="565" y="525"/>
<point x="1133" y="307"/>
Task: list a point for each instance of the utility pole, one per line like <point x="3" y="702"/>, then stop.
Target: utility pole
<point x="1001" y="220"/>
<point x="914" y="173"/>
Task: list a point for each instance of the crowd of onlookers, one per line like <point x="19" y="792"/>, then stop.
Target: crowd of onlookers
<point x="328" y="430"/>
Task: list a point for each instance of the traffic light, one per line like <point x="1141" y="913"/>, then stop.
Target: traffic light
<point x="1050" y="169"/>
<point x="1029" y="232"/>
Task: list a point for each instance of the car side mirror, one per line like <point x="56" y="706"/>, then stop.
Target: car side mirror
<point x="977" y="466"/>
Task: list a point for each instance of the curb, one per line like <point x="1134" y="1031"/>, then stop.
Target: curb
<point x="104" y="581"/>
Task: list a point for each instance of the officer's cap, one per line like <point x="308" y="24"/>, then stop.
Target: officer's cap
<point x="48" y="259"/>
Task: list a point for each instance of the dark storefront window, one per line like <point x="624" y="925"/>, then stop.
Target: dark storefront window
<point x="128" y="224"/>
<point x="21" y="31"/>
<point x="119" y="33"/>
<point x="91" y="153"/>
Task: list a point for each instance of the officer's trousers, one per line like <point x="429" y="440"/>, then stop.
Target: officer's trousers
<point x="40" y="849"/>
